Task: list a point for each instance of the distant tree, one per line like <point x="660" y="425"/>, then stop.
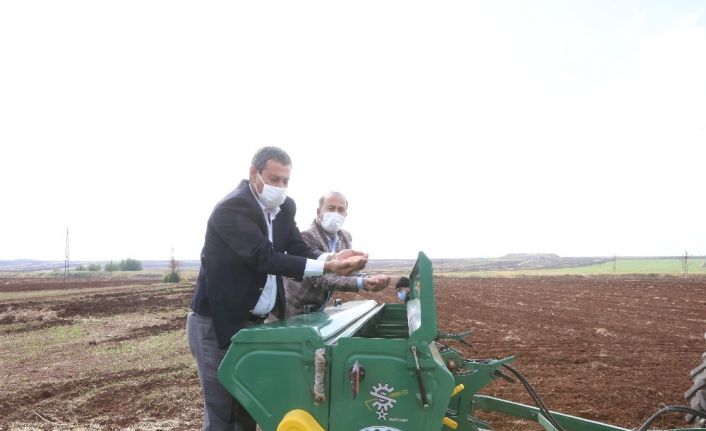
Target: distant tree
<point x="130" y="265"/>
<point x="94" y="267"/>
<point x="79" y="268"/>
<point x="173" y="276"/>
<point x="110" y="267"/>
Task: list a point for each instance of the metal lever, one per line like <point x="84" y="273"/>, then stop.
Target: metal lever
<point x="500" y="374"/>
<point x="356" y="373"/>
<point x="423" y="392"/>
<point x="457" y="337"/>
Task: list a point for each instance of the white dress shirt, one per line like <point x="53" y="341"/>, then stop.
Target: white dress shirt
<point x="269" y="292"/>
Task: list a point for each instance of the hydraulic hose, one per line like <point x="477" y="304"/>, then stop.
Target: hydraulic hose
<point x="547" y="414"/>
<point x="678" y="409"/>
<point x="535" y="396"/>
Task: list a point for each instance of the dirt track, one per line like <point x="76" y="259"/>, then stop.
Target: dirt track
<point x="601" y="348"/>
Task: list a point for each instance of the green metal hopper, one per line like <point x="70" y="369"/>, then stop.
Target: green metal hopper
<point x="364" y="366"/>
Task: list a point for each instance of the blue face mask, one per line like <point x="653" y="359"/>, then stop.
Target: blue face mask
<point x="402" y="295"/>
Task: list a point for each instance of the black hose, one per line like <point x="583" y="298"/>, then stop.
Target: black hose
<point x="540" y="404"/>
<point x="678" y="409"/>
<point x="547" y="414"/>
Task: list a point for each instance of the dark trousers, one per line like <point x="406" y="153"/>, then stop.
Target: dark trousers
<point x="221" y="411"/>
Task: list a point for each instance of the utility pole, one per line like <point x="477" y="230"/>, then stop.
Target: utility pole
<point x="173" y="264"/>
<point x="615" y="257"/>
<point x="685" y="264"/>
<point x="66" y="257"/>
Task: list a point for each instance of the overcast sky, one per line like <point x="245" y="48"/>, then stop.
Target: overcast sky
<point x="462" y="129"/>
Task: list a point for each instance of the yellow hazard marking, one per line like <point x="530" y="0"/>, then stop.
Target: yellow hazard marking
<point x="299" y="420"/>
<point x="446" y="421"/>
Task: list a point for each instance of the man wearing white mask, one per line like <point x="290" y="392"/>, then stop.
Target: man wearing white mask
<point x="326" y="235"/>
<point x="251" y="242"/>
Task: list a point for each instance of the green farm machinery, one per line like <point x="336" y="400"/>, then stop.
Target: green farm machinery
<point x="696" y="395"/>
<point x="364" y="366"/>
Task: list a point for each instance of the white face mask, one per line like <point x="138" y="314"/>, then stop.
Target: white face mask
<point x="271" y="196"/>
<point x="332" y="222"/>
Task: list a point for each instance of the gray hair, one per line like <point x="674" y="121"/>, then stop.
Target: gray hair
<point x="264" y="154"/>
<point x="323" y="198"/>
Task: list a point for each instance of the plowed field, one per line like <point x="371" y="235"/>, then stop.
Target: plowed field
<point x="113" y="355"/>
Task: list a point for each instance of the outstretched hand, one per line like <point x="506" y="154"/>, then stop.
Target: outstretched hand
<point x="347" y="266"/>
<point x="345" y="254"/>
<point x="375" y="283"/>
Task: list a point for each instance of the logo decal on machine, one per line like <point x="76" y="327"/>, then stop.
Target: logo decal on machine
<point x="383" y="403"/>
<point x="384" y="399"/>
<point x="379" y="428"/>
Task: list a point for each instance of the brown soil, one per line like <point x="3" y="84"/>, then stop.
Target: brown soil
<point x="607" y="349"/>
<point x="61" y="310"/>
<point x="19" y="284"/>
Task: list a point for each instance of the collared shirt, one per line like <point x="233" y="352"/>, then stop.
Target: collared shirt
<point x="332" y="248"/>
<point x="269" y="292"/>
<point x="312" y="291"/>
<point x="332" y="242"/>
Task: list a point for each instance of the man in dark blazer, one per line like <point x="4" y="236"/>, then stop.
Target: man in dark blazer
<point x="251" y="241"/>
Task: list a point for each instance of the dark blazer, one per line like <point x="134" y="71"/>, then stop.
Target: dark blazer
<point x="237" y="256"/>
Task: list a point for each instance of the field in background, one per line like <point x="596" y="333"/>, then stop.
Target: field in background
<point x="620" y="267"/>
<point x="107" y="354"/>
<point x="111" y="354"/>
<point x="517" y="264"/>
<point x="520" y="265"/>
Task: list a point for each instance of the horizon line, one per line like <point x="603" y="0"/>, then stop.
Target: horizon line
<point x="507" y="255"/>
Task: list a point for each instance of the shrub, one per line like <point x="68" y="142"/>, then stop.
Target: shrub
<point x="124" y="265"/>
<point x="130" y="265"/>
<point x="172" y="277"/>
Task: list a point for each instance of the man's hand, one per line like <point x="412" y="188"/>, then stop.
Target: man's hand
<point x="345" y="254"/>
<point x="346" y="266"/>
<point x="376" y="283"/>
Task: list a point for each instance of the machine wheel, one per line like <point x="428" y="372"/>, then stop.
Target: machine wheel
<point x="696" y="395"/>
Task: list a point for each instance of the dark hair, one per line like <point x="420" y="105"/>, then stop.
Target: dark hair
<point x="264" y="154"/>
